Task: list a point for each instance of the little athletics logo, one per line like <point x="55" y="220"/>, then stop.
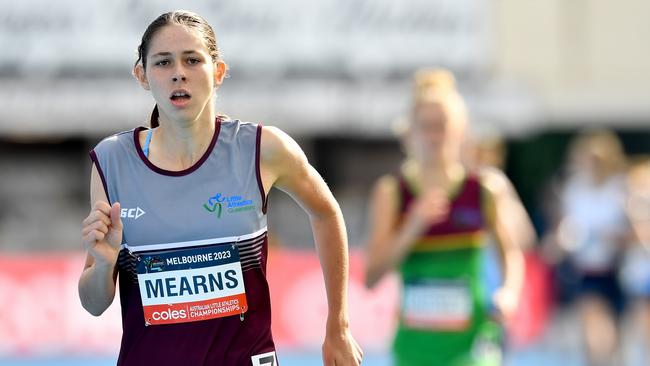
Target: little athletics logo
<point x="232" y="204"/>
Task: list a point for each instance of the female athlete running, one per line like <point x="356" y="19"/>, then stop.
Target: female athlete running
<point x="179" y="217"/>
<point x="429" y="222"/>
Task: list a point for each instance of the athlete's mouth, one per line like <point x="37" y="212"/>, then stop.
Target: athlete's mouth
<point x="179" y="95"/>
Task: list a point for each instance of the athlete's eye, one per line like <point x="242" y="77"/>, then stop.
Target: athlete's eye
<point x="162" y="63"/>
<point x="193" y="61"/>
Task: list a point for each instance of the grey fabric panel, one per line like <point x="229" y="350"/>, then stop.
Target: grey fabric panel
<point x="165" y="209"/>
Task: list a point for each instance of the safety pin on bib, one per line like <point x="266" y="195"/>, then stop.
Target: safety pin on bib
<point x="234" y="246"/>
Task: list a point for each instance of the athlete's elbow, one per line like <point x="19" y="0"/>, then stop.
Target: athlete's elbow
<point x="327" y="210"/>
<point x="93" y="308"/>
<point x="95" y="311"/>
<point x="92" y="304"/>
<point x="369" y="282"/>
<point x="372" y="277"/>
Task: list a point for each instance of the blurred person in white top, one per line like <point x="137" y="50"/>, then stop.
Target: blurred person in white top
<point x="635" y="272"/>
<point x="591" y="234"/>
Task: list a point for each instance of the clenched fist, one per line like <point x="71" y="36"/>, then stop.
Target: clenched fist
<point x="102" y="232"/>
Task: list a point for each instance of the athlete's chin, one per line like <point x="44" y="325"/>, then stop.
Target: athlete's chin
<point x="184" y="114"/>
<point x="431" y="154"/>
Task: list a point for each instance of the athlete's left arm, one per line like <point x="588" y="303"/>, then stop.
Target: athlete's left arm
<point x="285" y="166"/>
<point x="498" y="206"/>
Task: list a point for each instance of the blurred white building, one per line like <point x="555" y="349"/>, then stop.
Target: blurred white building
<point x="335" y="74"/>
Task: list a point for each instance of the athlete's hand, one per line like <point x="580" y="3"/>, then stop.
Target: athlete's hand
<point x="431" y="208"/>
<point x="340" y="349"/>
<point x="102" y="233"/>
<point x="505" y="303"/>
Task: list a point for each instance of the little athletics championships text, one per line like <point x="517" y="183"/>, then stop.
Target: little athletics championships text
<point x="222" y="307"/>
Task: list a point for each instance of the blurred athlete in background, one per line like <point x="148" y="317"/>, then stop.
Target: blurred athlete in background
<point x="429" y="222"/>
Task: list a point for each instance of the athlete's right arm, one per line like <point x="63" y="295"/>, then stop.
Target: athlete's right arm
<point x="102" y="237"/>
<point x="390" y="241"/>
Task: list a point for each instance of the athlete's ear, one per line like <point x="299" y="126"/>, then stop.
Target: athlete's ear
<point x="220" y="69"/>
<point x="140" y="76"/>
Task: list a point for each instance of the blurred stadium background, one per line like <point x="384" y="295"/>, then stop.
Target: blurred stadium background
<point x="335" y="75"/>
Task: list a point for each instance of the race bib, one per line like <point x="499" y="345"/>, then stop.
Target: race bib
<point x="265" y="359"/>
<point x="437" y="305"/>
<point x="186" y="285"/>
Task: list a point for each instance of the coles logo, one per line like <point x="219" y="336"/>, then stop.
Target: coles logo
<point x="169" y="315"/>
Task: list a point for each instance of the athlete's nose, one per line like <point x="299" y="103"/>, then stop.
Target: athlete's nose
<point x="179" y="74"/>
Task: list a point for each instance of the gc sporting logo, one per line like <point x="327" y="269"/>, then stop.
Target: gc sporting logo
<point x="131" y="213"/>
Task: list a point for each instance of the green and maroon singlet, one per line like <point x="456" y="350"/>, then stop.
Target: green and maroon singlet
<point x="444" y="318"/>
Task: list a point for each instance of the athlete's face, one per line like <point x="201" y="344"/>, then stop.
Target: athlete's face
<point x="180" y="73"/>
<point x="429" y="130"/>
<point x="434" y="134"/>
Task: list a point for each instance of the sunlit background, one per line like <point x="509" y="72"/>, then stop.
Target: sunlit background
<point x="336" y="76"/>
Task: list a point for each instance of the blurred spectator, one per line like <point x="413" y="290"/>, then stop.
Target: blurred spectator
<point x="635" y="274"/>
<point x="588" y="240"/>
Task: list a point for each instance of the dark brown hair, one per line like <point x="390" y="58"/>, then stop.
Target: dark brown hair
<point x="185" y="18"/>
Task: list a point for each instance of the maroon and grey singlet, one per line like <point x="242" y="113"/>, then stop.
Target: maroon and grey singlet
<point x="192" y="267"/>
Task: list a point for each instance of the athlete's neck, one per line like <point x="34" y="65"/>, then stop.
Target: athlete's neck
<point x="182" y="143"/>
<point x="444" y="174"/>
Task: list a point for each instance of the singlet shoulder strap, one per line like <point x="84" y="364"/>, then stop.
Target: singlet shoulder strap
<point x="404" y="194"/>
<point x="147" y="141"/>
<point x="476" y="192"/>
<point x="471" y="187"/>
<point x="472" y="181"/>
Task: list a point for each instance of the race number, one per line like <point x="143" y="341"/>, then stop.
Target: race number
<point x="265" y="359"/>
<point x="186" y="285"/>
<point x="437" y="305"/>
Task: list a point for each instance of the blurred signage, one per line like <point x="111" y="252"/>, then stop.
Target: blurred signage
<point x="89" y="38"/>
<point x="337" y="64"/>
<point x="40" y="312"/>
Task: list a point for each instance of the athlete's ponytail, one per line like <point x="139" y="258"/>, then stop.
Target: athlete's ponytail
<point x="153" y="122"/>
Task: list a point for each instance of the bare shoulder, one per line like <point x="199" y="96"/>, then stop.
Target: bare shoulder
<point x="494" y="181"/>
<point x="277" y="146"/>
<point x="283" y="164"/>
<point x="386" y="185"/>
<point x="385" y="194"/>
